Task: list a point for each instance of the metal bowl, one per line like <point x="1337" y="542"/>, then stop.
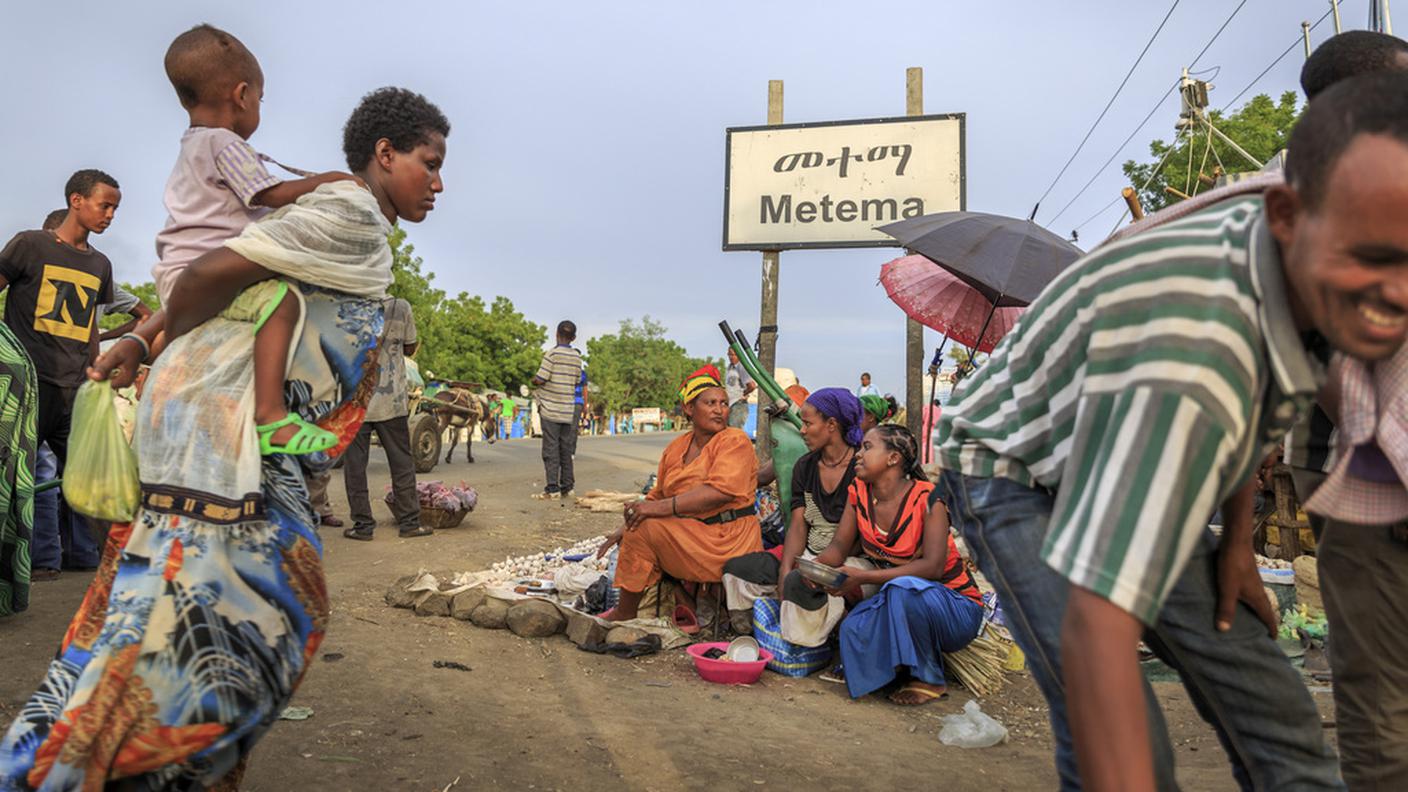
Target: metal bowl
<point x="743" y="649"/>
<point x="821" y="574"/>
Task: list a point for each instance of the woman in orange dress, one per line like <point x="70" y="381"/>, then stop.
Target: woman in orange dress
<point x="701" y="512"/>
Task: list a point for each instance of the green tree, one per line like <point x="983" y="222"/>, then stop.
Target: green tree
<point x="146" y="292"/>
<point x="494" y="344"/>
<point x="1260" y="126"/>
<point x="637" y="366"/>
<point x="461" y="338"/>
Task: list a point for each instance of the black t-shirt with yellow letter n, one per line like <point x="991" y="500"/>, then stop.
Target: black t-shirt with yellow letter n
<point x="52" y="306"/>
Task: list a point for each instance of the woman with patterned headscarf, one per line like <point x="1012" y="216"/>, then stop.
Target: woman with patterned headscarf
<point x="701" y="512"/>
<point x="831" y="420"/>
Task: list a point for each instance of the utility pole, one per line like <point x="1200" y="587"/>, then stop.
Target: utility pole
<point x="1305" y="34"/>
<point x="1335" y="6"/>
<point x="767" y="318"/>
<point x="1193" y="115"/>
<point x="914" y="332"/>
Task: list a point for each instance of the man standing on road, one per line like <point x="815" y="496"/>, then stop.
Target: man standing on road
<point x="738" y="385"/>
<point x="56" y="282"/>
<point x="556" y="381"/>
<point x="387" y="415"/>
<point x="866" y="389"/>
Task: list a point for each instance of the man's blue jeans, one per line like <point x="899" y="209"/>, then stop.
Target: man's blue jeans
<point x="46" y="551"/>
<point x="1240" y="681"/>
<point x="61" y="537"/>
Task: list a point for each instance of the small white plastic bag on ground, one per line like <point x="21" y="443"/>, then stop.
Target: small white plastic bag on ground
<point x="972" y="728"/>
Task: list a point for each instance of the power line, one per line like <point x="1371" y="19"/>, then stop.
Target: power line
<point x="1106" y="163"/>
<point x="1096" y="216"/>
<point x="1100" y="170"/>
<point x="1108" y="104"/>
<point x="1152" y="174"/>
<point x="1300" y="41"/>
<point x="1215" y="36"/>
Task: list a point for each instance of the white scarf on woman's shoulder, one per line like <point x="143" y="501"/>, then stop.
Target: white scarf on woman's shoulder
<point x="333" y="237"/>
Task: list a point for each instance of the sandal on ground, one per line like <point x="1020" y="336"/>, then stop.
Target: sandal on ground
<point x="924" y="692"/>
<point x="359" y="535"/>
<point x="546" y="496"/>
<point x="419" y="530"/>
<point x="836" y="674"/>
<point x="309" y="439"/>
<point x="685" y="620"/>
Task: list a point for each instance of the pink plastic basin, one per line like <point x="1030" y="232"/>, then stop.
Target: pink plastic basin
<point x="726" y="672"/>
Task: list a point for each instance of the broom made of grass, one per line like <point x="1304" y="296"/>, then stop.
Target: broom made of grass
<point x="978" y="666"/>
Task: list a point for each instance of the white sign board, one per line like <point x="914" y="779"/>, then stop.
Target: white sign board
<point x="830" y="185"/>
<point x="642" y="416"/>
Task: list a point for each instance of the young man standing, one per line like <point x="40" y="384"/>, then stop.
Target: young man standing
<point x="738" y="385"/>
<point x="387" y="415"/>
<point x="1142" y="389"/>
<point x="81" y="550"/>
<point x="866" y="389"/>
<point x="556" y="382"/>
<point x="56" y="282"/>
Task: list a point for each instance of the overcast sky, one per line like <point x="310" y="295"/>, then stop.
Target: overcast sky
<point x="585" y="171"/>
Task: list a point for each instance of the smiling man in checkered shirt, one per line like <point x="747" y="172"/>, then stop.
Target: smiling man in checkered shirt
<point x="1136" y="395"/>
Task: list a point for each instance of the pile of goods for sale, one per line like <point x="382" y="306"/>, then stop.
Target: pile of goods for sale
<point x="442" y="506"/>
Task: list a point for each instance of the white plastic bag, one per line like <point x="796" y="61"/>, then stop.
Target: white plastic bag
<point x="972" y="728"/>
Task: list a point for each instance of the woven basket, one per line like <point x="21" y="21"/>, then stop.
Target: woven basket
<point x="439" y="518"/>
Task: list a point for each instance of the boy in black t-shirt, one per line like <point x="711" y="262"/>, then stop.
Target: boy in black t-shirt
<point x="56" y="282"/>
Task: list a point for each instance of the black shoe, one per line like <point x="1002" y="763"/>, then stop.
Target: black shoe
<point x="419" y="530"/>
<point x="359" y="535"/>
<point x="43" y="574"/>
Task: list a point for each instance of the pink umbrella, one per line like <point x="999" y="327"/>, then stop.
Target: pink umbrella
<point x="937" y="299"/>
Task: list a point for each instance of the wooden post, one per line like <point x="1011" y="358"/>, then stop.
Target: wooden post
<point x="767" y="317"/>
<point x="914" y="332"/>
<point x="1131" y="198"/>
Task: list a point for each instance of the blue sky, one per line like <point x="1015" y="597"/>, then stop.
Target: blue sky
<point x="585" y="168"/>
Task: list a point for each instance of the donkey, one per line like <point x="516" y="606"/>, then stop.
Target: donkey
<point x="460" y="408"/>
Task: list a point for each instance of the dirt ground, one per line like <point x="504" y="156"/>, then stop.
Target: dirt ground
<point x="542" y="715"/>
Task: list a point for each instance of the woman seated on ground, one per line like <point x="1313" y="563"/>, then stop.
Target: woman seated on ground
<point x="701" y="512"/>
<point x="821" y="480"/>
<point x="878" y="410"/>
<point x="927" y="603"/>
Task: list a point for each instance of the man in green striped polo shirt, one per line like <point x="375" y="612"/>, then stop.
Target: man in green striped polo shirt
<point x="1138" y="393"/>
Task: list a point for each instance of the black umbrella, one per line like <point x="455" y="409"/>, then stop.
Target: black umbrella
<point x="1007" y="259"/>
